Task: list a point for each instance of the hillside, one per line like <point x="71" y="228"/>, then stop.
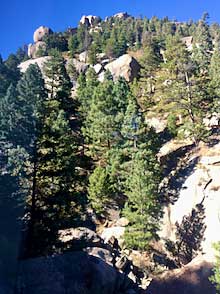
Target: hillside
<point x="110" y="153"/>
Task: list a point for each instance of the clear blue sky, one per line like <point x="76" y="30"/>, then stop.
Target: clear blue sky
<point x="19" y="18"/>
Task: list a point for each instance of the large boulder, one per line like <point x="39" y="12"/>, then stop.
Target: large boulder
<point x="125" y="66"/>
<point x="80" y="67"/>
<point x="83" y="56"/>
<point x="39" y="61"/>
<point x="33" y="48"/>
<point x="90" y="20"/>
<point x="41" y="32"/>
<point x="98" y="67"/>
<point x="113" y="232"/>
<point x="75" y="272"/>
<point x="191" y="279"/>
<point x="122" y="15"/>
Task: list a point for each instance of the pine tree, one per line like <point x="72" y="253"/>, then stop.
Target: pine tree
<point x="59" y="193"/>
<point x="144" y="88"/>
<point x="203" y="45"/>
<point x="99" y="124"/>
<point x="99" y="190"/>
<point x="214" y="74"/>
<point x="58" y="82"/>
<point x="73" y="44"/>
<point x="8" y="114"/>
<point x="140" y="177"/>
<point x="142" y="208"/>
<point x="215" y="278"/>
<point x="183" y="92"/>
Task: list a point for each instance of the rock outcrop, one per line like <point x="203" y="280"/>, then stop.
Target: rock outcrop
<point x="125" y="66"/>
<point x="89" y="20"/>
<point x="75" y="272"/>
<point x="122" y="15"/>
<point x="39" y="61"/>
<point x="34" y="48"/>
<point x="80" y="67"/>
<point x="41" y="32"/>
<point x="81" y="235"/>
<point x="38" y="36"/>
<point x="198" y="184"/>
<point x="192" y="279"/>
<point x="114" y="232"/>
<point x="188" y="41"/>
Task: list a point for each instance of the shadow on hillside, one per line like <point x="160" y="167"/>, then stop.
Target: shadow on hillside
<point x="73" y="272"/>
<point x="183" y="169"/>
<point x="10" y="226"/>
<point x="189" y="236"/>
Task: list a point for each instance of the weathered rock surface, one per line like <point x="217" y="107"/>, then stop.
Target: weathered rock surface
<point x="39" y="61"/>
<point x="188" y="41"/>
<point x="33" y="48"/>
<point x="98" y="67"/>
<point x="122" y="222"/>
<point x="125" y="66"/>
<point x="89" y="20"/>
<point x="83" y="56"/>
<point x="81" y="67"/>
<point x="121" y="15"/>
<point x="191" y="279"/>
<point x="113" y="232"/>
<point x="200" y="185"/>
<point x="102" y="253"/>
<point x="81" y="234"/>
<point x="41" y="32"/>
<point x="74" y="272"/>
<point x="158" y="124"/>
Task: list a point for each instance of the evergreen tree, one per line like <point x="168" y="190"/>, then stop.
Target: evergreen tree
<point x="214" y="73"/>
<point x="92" y="54"/>
<point x="58" y="186"/>
<point x="142" y="208"/>
<point x="144" y="88"/>
<point x="99" y="190"/>
<point x="215" y="278"/>
<point x="73" y="44"/>
<point x="58" y="83"/>
<point x="182" y="91"/>
<point x="203" y="45"/>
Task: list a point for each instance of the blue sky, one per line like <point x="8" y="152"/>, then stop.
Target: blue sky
<point x="19" y="18"/>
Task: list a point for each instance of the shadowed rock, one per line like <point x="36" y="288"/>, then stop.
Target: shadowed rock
<point x="191" y="279"/>
<point x="74" y="272"/>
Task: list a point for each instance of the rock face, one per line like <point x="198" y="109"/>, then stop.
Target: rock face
<point x="83" y="56"/>
<point x="41" y="32"/>
<point x="39" y="61"/>
<point x="97" y="67"/>
<point x="81" y="67"/>
<point x="80" y="234"/>
<point x="191" y="279"/>
<point x="121" y="15"/>
<point x="33" y="48"/>
<point x="74" y="272"/>
<point x="125" y="66"/>
<point x="114" y="232"/>
<point x="188" y="41"/>
<point x="89" y="20"/>
<point x="102" y="253"/>
<point x="200" y="185"/>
